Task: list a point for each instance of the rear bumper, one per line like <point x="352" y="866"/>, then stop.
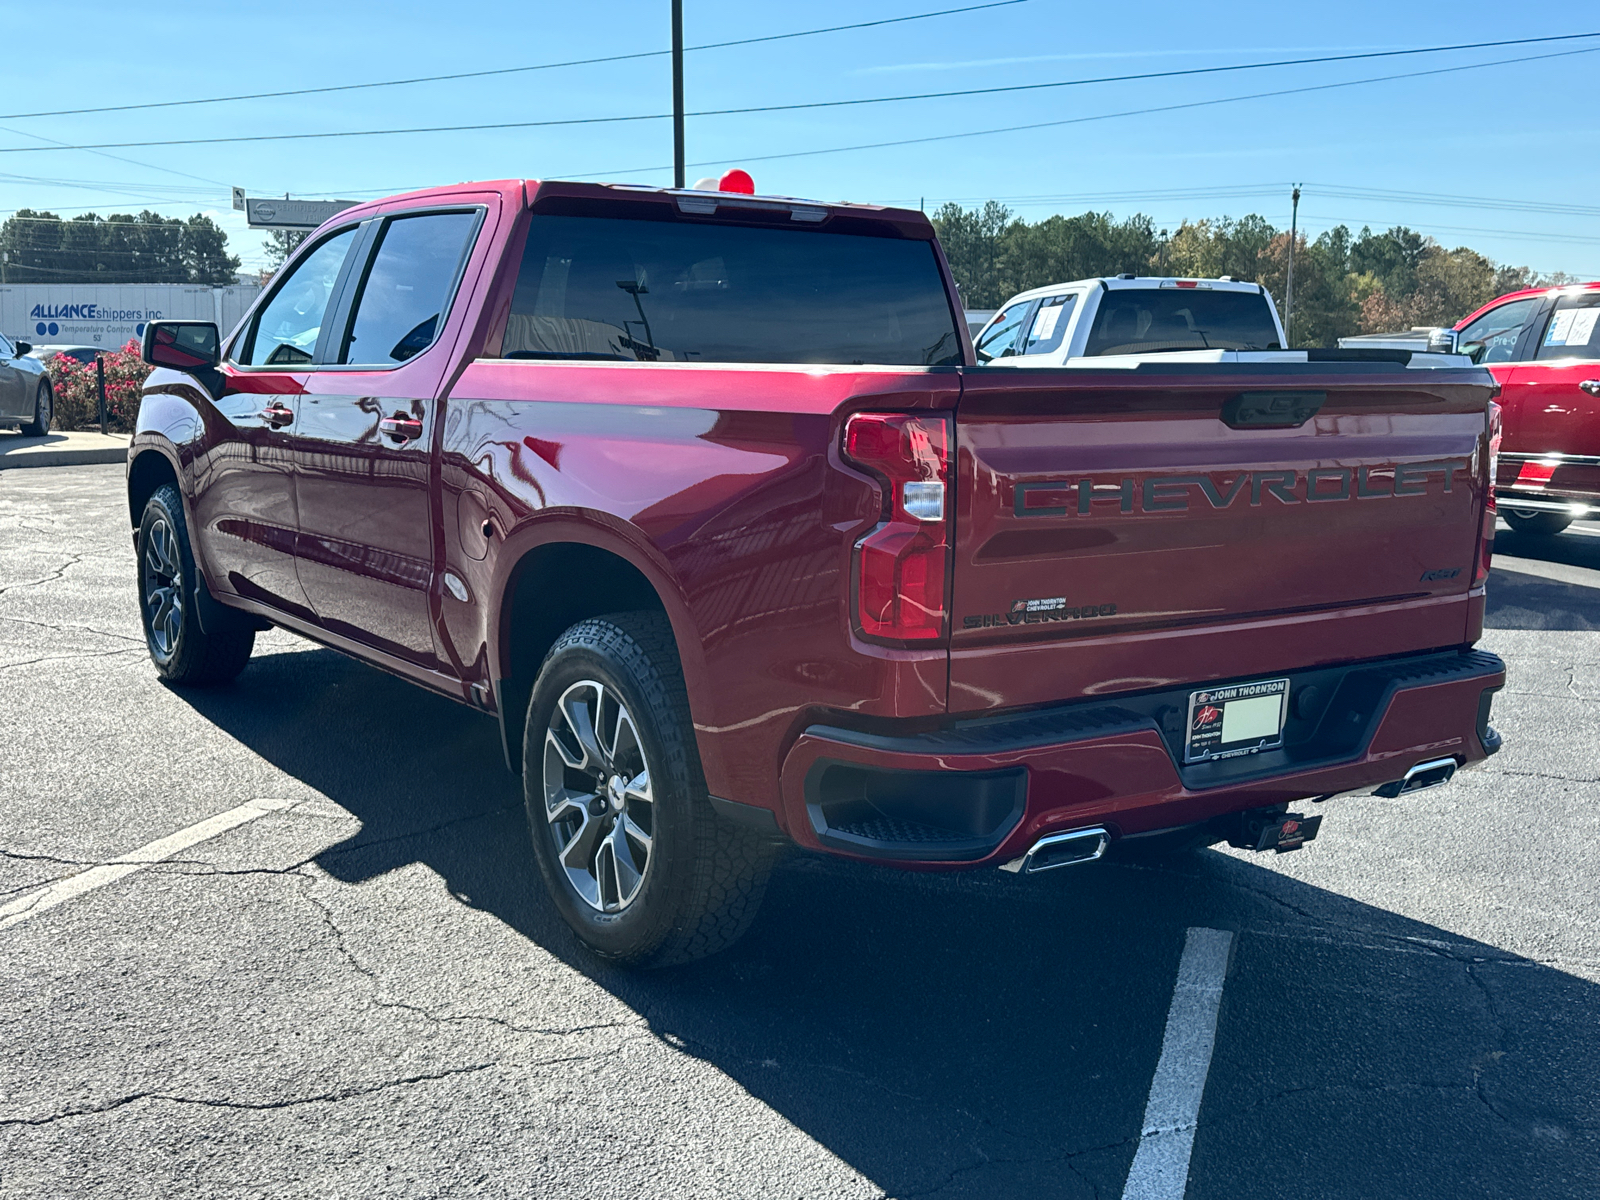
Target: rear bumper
<point x="982" y="791"/>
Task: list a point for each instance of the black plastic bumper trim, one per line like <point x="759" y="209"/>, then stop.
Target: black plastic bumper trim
<point x="1338" y="728"/>
<point x="750" y="816"/>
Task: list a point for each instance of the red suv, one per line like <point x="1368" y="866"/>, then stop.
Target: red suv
<point x="1543" y="348"/>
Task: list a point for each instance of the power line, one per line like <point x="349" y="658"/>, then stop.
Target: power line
<point x="771" y="108"/>
<point x="577" y="62"/>
<point x="1131" y="112"/>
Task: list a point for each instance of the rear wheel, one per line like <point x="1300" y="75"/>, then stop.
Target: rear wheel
<point x="635" y="859"/>
<point x="43" y="411"/>
<point x="185" y="649"/>
<point x="1537" y="524"/>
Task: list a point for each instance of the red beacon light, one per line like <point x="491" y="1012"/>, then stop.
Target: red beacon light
<point x="737" y="181"/>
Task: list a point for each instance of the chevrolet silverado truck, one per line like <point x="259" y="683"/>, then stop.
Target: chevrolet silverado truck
<point x="1543" y="349"/>
<point x="705" y="499"/>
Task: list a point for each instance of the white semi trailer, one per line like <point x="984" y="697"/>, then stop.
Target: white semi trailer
<point x="109" y="315"/>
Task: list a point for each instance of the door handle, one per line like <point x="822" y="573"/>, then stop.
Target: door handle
<point x="276" y="415"/>
<point x="1592" y="386"/>
<point x="401" y="428"/>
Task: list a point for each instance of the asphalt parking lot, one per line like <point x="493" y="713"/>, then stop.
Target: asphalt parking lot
<point x="359" y="991"/>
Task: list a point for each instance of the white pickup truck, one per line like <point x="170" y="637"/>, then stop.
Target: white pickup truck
<point x="1091" y="321"/>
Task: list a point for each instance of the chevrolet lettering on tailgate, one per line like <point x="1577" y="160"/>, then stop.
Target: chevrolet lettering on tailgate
<point x="1172" y="493"/>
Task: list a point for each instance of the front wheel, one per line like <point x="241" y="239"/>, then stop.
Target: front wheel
<point x="43" y="411"/>
<point x="1536" y="524"/>
<point x="184" y="648"/>
<point x="635" y="859"/>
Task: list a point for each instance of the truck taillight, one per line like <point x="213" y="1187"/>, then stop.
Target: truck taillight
<point x="1480" y="574"/>
<point x="901" y="567"/>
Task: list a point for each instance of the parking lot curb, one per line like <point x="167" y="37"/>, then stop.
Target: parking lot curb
<point x="63" y="450"/>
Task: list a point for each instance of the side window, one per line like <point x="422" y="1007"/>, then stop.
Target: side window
<point x="7" y="350"/>
<point x="1002" y="337"/>
<point x="1049" y="324"/>
<point x="1571" y="332"/>
<point x="1499" y="328"/>
<point x="408" y="287"/>
<point x="284" y="333"/>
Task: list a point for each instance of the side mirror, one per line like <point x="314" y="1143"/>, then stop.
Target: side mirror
<point x="1473" y="350"/>
<point x="1444" y="341"/>
<point x="192" y="346"/>
<point x="23" y="348"/>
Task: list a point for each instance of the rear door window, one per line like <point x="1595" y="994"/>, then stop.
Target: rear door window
<point x="660" y="291"/>
<point x="1499" y="328"/>
<point x="284" y="333"/>
<point x="1572" y="331"/>
<point x="1049" y="324"/>
<point x="408" y="287"/>
<point x="1152" y="320"/>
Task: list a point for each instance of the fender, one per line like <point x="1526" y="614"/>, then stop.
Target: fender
<point x="603" y="531"/>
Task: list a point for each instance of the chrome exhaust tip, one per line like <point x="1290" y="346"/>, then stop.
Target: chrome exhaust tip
<point x="1061" y="850"/>
<point x="1434" y="773"/>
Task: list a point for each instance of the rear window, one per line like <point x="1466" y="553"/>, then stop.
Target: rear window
<point x="1148" y="321"/>
<point x="656" y="291"/>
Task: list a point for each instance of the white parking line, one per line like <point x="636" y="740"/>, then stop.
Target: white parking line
<point x="1161" y="1166"/>
<point x="59" y="892"/>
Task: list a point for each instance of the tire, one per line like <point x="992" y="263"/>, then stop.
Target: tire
<point x="1536" y="524"/>
<point x="187" y="647"/>
<point x="634" y="857"/>
<point x="43" y="411"/>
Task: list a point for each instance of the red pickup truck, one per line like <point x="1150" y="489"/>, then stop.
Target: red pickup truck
<point x="703" y="497"/>
<point x="1543" y="348"/>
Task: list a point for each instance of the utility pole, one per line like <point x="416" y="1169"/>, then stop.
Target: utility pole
<point x="1288" y="287"/>
<point x="677" y="94"/>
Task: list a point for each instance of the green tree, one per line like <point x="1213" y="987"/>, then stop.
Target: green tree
<point x="1062" y="248"/>
<point x="121" y="248"/>
<point x="972" y="241"/>
<point x="280" y="244"/>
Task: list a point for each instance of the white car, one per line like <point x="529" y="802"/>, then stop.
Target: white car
<point x="1119" y="321"/>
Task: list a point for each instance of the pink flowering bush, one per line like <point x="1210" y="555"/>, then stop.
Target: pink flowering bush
<point x="76" y="402"/>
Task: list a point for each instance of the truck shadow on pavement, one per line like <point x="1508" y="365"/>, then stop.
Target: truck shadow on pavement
<point x="1520" y="599"/>
<point x="980" y="1035"/>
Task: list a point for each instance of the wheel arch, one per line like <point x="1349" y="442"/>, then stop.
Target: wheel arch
<point x="149" y="466"/>
<point x="564" y="573"/>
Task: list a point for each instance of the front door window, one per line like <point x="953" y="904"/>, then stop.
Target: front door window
<point x="1001" y="339"/>
<point x="285" y="332"/>
<point x="1498" y="329"/>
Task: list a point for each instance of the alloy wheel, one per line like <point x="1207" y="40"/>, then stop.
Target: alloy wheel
<point x="597" y="796"/>
<point x="163" y="588"/>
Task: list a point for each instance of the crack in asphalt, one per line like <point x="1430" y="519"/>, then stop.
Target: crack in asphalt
<point x="343" y="947"/>
<point x="72" y="561"/>
<point x="1536" y="775"/>
<point x="333" y="1097"/>
<point x="28" y="662"/>
<point x="72" y="629"/>
<point x="1064" y="1158"/>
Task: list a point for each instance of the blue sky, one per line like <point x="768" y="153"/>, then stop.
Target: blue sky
<point x="1524" y="133"/>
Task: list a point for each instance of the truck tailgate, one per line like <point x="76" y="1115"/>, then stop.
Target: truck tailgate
<point x="1121" y="530"/>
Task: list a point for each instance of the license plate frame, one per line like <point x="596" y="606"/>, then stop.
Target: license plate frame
<point x="1255" y="729"/>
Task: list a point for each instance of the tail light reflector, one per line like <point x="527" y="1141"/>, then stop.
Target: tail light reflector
<point x="1486" y="538"/>
<point x="901" y="567"/>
